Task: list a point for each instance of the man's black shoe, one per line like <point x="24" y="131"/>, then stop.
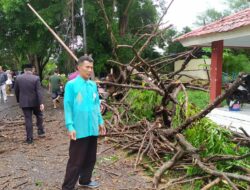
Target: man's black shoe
<point x="29" y="140"/>
<point x="41" y="133"/>
<point x="90" y="185"/>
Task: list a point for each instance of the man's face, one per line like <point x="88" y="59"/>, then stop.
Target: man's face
<point x="85" y="69"/>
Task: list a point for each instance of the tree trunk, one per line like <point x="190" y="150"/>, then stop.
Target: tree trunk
<point x="123" y="25"/>
<point x="32" y="59"/>
<point x="123" y="21"/>
<point x="38" y="63"/>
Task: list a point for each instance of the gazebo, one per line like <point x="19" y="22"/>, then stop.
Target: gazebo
<point x="232" y="32"/>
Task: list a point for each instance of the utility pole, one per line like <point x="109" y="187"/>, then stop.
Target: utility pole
<point x="73" y="24"/>
<point x="82" y="13"/>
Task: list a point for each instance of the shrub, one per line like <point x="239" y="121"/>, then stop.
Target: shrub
<point x="143" y="103"/>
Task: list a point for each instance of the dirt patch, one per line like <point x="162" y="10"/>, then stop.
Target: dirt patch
<point x="41" y="166"/>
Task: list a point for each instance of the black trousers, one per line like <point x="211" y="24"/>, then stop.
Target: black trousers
<point x="82" y="158"/>
<point x="28" y="119"/>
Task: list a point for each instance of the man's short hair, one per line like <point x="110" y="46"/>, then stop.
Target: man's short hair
<point x="56" y="71"/>
<point x="85" y="58"/>
<point x="27" y="67"/>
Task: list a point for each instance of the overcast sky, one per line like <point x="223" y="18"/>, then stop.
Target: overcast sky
<point x="183" y="12"/>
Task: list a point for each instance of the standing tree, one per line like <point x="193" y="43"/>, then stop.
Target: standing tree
<point x="24" y="36"/>
<point x="210" y="15"/>
<point x="237" y="5"/>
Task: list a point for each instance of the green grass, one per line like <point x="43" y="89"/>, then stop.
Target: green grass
<point x="199" y="98"/>
<point x="196" y="97"/>
<point x="39" y="183"/>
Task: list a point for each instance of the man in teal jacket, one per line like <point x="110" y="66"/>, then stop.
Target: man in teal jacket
<point x="83" y="122"/>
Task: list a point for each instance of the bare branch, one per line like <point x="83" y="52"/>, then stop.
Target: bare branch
<point x="132" y="86"/>
<point x="166" y="166"/>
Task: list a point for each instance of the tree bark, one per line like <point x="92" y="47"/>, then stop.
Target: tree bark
<point x="123" y="21"/>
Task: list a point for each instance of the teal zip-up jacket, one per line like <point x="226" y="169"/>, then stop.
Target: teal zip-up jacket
<point x="82" y="107"/>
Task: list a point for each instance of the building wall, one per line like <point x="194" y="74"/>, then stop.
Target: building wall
<point x="196" y="68"/>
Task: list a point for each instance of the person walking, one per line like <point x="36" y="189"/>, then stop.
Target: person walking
<point x="84" y="123"/>
<point x="28" y="93"/>
<point x="73" y="75"/>
<point x="3" y="79"/>
<point x="54" y="87"/>
<point x="9" y="83"/>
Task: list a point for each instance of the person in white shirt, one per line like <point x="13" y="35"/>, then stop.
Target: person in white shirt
<point x="3" y="79"/>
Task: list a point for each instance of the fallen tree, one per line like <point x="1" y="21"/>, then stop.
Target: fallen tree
<point x="173" y="134"/>
<point x="160" y="135"/>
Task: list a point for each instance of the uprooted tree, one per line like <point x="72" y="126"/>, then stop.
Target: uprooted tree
<point x="165" y="142"/>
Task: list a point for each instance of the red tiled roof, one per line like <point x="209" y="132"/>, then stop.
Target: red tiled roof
<point x="225" y="24"/>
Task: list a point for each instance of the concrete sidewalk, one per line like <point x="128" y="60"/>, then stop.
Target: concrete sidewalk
<point x="232" y="119"/>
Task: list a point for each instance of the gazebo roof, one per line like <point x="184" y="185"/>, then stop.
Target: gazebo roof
<point x="233" y="29"/>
